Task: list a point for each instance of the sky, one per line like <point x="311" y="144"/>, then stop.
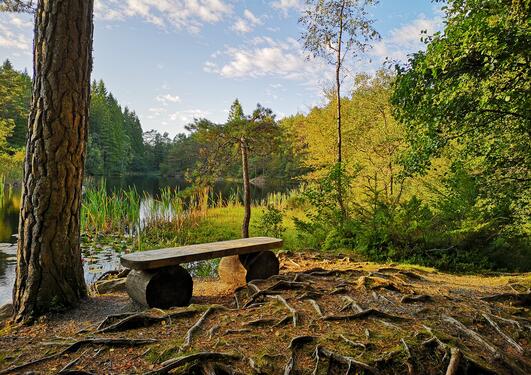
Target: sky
<point x="175" y="60"/>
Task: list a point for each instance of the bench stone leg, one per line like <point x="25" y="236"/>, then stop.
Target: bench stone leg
<point x="163" y="288"/>
<point x="231" y="271"/>
<point x="260" y="265"/>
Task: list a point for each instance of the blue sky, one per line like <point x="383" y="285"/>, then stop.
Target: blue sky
<point x="173" y="60"/>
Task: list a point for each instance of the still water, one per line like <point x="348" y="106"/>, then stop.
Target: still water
<point x="95" y="262"/>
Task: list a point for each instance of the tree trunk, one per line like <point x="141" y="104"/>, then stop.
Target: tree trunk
<point x="338" y="98"/>
<point x="246" y="188"/>
<point x="49" y="265"/>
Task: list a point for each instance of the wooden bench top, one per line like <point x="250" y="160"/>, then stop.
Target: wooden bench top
<point x="151" y="259"/>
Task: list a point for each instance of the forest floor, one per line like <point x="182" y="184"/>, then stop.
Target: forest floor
<point x="324" y="314"/>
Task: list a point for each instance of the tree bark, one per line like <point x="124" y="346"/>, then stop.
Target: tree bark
<point x="49" y="265"/>
<point x="246" y="188"/>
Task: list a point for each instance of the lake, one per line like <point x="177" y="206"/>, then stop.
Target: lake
<point x="106" y="258"/>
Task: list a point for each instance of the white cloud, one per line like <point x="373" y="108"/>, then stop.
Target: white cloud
<point x="164" y="99"/>
<point x="190" y="15"/>
<point x="247" y="23"/>
<point x="187" y="116"/>
<point x="404" y="40"/>
<point x="16" y="32"/>
<point x="287" y="4"/>
<point x="251" y="17"/>
<point x="264" y="56"/>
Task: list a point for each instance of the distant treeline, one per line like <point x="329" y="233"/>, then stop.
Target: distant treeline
<point x="117" y="144"/>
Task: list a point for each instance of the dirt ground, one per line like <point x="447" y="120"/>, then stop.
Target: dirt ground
<point x="321" y="315"/>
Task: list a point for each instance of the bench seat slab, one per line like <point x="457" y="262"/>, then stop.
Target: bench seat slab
<point x="152" y="259"/>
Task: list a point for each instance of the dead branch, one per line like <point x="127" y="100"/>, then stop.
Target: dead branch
<point x="294" y="313"/>
<point x="201" y="357"/>
<point x="503" y="334"/>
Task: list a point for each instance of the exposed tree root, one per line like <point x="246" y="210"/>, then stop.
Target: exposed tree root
<point x="369" y="313"/>
<point x="350" y="304"/>
<point x="72" y="348"/>
<point x="455" y="359"/>
<point x="476" y="336"/>
<point x="202" y="357"/>
<point x="259" y="323"/>
<point x="503" y="334"/>
<point x="309" y="295"/>
<point x="348" y="361"/>
<point x="294" y="344"/>
<point x="285" y="320"/>
<point x="409" y="358"/>
<point x="197" y="325"/>
<point x="316" y="307"/>
<point x="339" y="290"/>
<point x="234" y="331"/>
<point x="354" y="344"/>
<point x="143" y="319"/>
<point x="294" y="313"/>
<point x="416" y="298"/>
<point x="289" y="285"/>
<point x="517" y="299"/>
<point x="411" y="275"/>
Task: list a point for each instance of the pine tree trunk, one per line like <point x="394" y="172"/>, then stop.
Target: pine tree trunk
<point x="49" y="265"/>
<point x="246" y="188"/>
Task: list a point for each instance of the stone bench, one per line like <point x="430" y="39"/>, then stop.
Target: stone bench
<point x="157" y="279"/>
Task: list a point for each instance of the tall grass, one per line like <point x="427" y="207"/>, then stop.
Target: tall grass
<point x="117" y="212"/>
<point x="173" y="217"/>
